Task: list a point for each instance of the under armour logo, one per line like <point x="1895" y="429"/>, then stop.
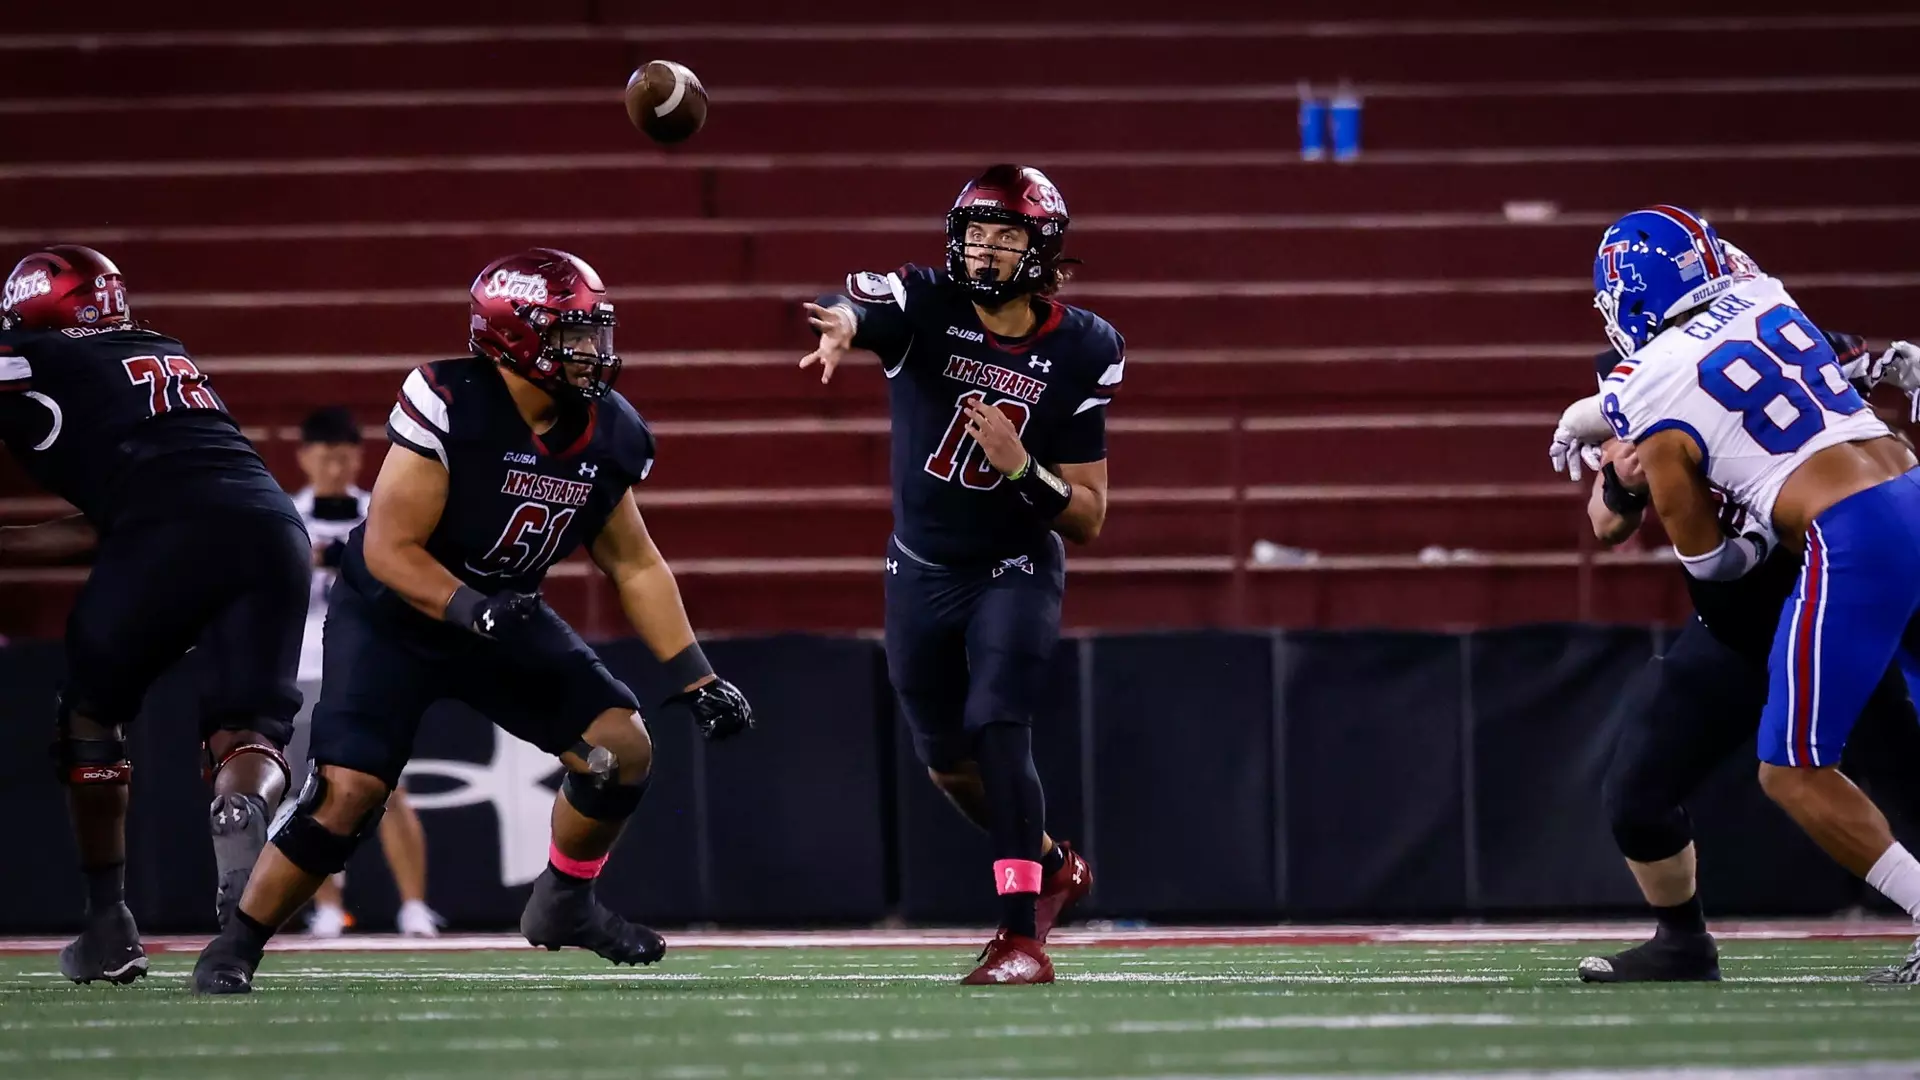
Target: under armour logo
<point x="589" y="470"/>
<point x="892" y="567"/>
<point x="1021" y="563"/>
<point x="1045" y="366"/>
<point x="513" y="782"/>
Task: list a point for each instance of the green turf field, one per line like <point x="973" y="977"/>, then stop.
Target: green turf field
<point x="895" y="1013"/>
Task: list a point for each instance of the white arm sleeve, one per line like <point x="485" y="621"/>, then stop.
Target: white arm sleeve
<point x="1732" y="559"/>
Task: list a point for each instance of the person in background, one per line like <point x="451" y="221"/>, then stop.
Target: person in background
<point x="330" y="457"/>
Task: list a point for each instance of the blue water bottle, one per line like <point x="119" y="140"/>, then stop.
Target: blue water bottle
<point x="1344" y="118"/>
<point x="1313" y="125"/>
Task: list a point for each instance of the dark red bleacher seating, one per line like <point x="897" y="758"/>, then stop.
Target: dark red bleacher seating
<point x="1418" y="362"/>
<point x="1427" y="314"/>
<point x="1224" y="248"/>
<point x="945" y="125"/>
<point x="1222" y="55"/>
<point x="499" y="185"/>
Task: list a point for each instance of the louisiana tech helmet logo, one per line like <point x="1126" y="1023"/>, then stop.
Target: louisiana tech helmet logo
<point x="1620" y="277"/>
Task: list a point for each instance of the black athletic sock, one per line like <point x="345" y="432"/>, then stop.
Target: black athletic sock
<point x="1054" y="861"/>
<point x="106" y="887"/>
<point x="570" y="882"/>
<point x="1016" y="914"/>
<point x="1016" y="810"/>
<point x="1685" y="919"/>
<point x="249" y="932"/>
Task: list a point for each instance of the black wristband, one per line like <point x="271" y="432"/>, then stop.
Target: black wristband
<point x="1616" y="495"/>
<point x="688" y="666"/>
<point x="464" y="606"/>
<point x="1047" y="494"/>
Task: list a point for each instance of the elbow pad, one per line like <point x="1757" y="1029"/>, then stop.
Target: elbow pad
<point x="1732" y="559"/>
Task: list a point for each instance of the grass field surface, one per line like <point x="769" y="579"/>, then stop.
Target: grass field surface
<point x="790" y="1006"/>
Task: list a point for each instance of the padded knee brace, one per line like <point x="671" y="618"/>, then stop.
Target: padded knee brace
<point x="310" y="845"/>
<point x="602" y="797"/>
<point x="82" y="762"/>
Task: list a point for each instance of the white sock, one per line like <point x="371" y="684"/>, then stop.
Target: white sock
<point x="1897" y="876"/>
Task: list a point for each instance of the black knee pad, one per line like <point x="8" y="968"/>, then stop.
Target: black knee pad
<point x="310" y="845"/>
<point x="87" y="762"/>
<point x="603" y="797"/>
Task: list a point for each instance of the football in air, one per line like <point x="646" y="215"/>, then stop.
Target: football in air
<point x="666" y="101"/>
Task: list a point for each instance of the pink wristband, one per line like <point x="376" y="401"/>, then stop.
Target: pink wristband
<point x="1016" y="876"/>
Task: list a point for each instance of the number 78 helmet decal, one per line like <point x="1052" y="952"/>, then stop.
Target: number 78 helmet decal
<point x="1654" y="264"/>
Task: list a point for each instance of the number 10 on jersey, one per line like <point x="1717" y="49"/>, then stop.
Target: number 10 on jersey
<point x="959" y="454"/>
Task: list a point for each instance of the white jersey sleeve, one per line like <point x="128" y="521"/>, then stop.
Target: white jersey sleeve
<point x="1750" y="380"/>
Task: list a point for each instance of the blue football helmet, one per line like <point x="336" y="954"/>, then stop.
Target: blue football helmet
<point x="1654" y="264"/>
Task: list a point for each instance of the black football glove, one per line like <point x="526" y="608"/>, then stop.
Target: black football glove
<point x="719" y="709"/>
<point x="494" y="616"/>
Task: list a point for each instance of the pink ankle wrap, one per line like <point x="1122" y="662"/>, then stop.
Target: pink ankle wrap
<point x="1016" y="876"/>
<point x="582" y="868"/>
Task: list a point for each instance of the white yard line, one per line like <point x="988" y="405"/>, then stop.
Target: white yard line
<point x="1217" y="936"/>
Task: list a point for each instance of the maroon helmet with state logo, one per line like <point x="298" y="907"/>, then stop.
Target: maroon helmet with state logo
<point x="1014" y="195"/>
<point x="532" y="311"/>
<point x="64" y="287"/>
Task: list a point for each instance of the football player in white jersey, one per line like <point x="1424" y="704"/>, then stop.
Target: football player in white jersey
<point x="332" y="506"/>
<point x="1725" y="385"/>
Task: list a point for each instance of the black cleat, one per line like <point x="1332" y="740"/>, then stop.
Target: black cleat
<point x="226" y="966"/>
<point x="109" y="948"/>
<point x="1694" y="958"/>
<point x="560" y="913"/>
<point x="239" y="825"/>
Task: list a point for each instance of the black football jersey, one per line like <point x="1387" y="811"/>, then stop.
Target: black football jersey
<point x="950" y="505"/>
<point x="517" y="502"/>
<point x="122" y="424"/>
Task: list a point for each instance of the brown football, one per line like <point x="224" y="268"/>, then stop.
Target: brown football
<point x="666" y="101"/>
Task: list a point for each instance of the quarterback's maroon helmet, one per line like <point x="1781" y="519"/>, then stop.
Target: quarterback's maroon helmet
<point x="1015" y="195"/>
<point x="535" y="311"/>
<point x="63" y="287"/>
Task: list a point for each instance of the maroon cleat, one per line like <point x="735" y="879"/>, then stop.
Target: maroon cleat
<point x="1011" y="960"/>
<point x="1067" y="887"/>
